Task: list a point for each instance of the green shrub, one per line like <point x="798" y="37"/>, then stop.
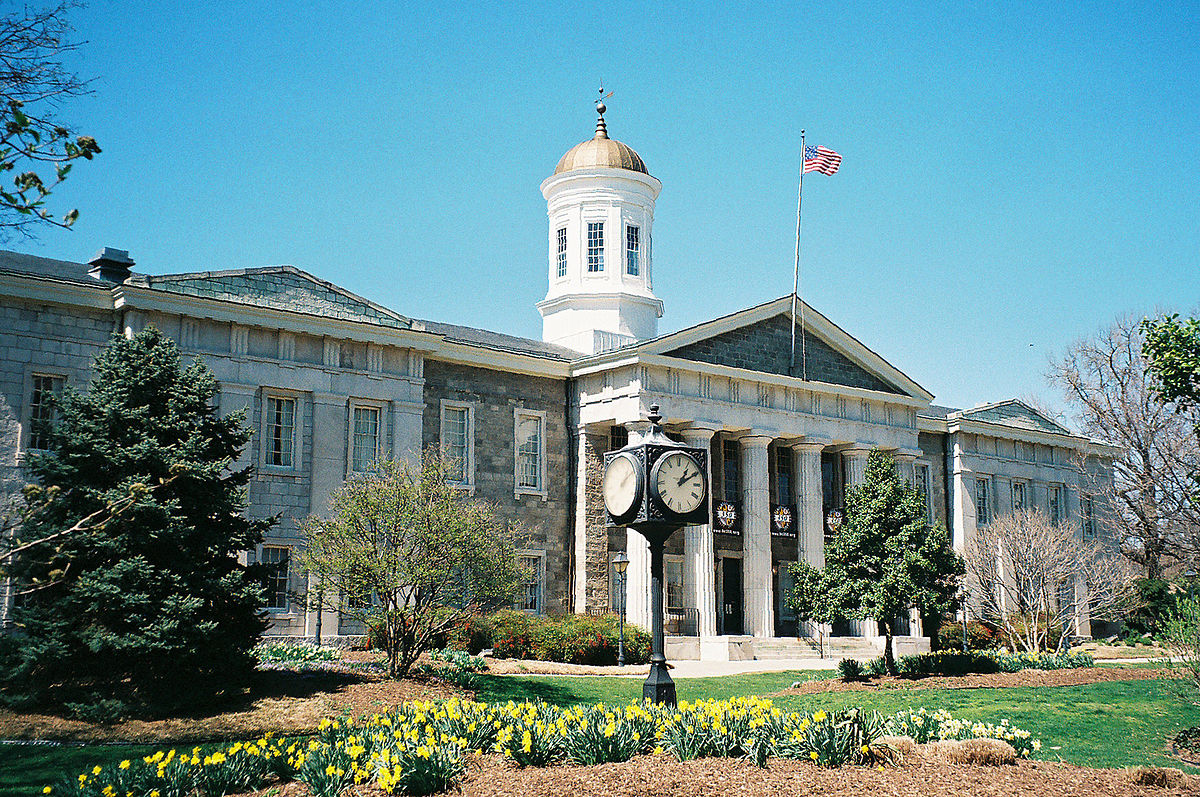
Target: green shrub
<point x="875" y="667"/>
<point x="945" y="662"/>
<point x="455" y="666"/>
<point x="980" y="636"/>
<point x="472" y="635"/>
<point x="572" y="639"/>
<point x="1156" y="601"/>
<point x="850" y="669"/>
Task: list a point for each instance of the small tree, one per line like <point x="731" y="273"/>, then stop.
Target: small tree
<point x="126" y="562"/>
<point x="405" y="551"/>
<point x="1025" y="569"/>
<point x="885" y="559"/>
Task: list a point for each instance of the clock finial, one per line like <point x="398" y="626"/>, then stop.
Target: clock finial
<point x="601" y="127"/>
<point x="654" y="417"/>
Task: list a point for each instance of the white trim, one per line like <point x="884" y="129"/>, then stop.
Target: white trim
<point x="25" y="429"/>
<point x="540" y="579"/>
<point x="518" y="489"/>
<point x="295" y="396"/>
<point x="380" y="430"/>
<point x="290" y="609"/>
<point x="468" y="482"/>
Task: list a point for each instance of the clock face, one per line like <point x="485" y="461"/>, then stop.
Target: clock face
<point x="679" y="482"/>
<point x="622" y="486"/>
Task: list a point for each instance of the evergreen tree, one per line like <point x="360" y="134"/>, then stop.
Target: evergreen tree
<point x="885" y="559"/>
<point x="148" y="606"/>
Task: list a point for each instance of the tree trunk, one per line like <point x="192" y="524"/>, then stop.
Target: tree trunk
<point x="889" y="657"/>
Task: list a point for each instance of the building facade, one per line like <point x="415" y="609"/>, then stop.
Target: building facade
<point x="332" y="382"/>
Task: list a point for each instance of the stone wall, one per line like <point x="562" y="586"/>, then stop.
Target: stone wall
<point x="933" y="455"/>
<point x="766" y="347"/>
<point x="494" y="395"/>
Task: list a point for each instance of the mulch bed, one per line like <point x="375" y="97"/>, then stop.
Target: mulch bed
<point x="1077" y="677"/>
<point x="649" y="776"/>
<point x="284" y="703"/>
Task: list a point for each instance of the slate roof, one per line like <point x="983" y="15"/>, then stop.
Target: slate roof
<point x="497" y="340"/>
<point x="280" y="288"/>
<point x="20" y="263"/>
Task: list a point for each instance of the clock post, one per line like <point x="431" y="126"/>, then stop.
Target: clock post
<point x="656" y="486"/>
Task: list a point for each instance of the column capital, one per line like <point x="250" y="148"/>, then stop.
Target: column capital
<point x="861" y="451"/>
<point x="755" y="439"/>
<point x="698" y="434"/>
<point x="810" y="444"/>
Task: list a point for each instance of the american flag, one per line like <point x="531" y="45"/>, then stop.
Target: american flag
<point x="820" y="159"/>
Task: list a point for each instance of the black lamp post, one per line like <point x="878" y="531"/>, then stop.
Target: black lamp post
<point x="620" y="563"/>
<point x="656" y="486"/>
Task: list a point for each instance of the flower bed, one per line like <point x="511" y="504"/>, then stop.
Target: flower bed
<point x="423" y="747"/>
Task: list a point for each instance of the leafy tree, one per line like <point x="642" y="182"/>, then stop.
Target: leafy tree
<point x="147" y="604"/>
<point x="1172" y="348"/>
<point x="1110" y="385"/>
<point x="34" y="38"/>
<point x="885" y="559"/>
<point x="410" y="555"/>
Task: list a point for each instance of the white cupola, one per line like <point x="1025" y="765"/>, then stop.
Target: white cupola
<point x="600" y="201"/>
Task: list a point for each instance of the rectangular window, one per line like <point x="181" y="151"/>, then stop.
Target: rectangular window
<point x="1056" y="504"/>
<point x="561" y="252"/>
<point x="618" y="438"/>
<point x="529" y="429"/>
<point x="276" y="558"/>
<point x="783" y="475"/>
<point x="730" y="470"/>
<point x="366" y="439"/>
<point x="632" y="250"/>
<point x="595" y="242"/>
<point x="43" y="409"/>
<point x="923" y="486"/>
<point x="1018" y="496"/>
<point x="673" y="575"/>
<point x="457" y="443"/>
<point x="1089" y="516"/>
<point x="530" y="599"/>
<point x="281" y="431"/>
<point x="983" y="506"/>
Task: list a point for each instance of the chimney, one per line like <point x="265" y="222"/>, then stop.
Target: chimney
<point x="111" y="265"/>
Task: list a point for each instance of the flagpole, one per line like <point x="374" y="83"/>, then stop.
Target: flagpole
<point x="796" y="273"/>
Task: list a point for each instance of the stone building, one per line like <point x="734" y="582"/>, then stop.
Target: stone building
<point x="333" y="381"/>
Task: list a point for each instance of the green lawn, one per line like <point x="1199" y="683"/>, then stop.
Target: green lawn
<point x="1114" y="724"/>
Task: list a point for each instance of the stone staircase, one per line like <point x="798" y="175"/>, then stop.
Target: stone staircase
<point x="805" y="648"/>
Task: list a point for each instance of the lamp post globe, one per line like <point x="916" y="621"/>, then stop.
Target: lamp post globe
<point x="620" y="563"/>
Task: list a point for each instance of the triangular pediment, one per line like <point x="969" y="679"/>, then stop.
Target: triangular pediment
<point x="280" y="288"/>
<point x="760" y="339"/>
<point x="1015" y="413"/>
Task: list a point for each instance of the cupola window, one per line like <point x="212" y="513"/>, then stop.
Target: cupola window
<point x="561" y="252"/>
<point x="595" y="241"/>
<point x="632" y="249"/>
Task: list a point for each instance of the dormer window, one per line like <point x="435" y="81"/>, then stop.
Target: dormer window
<point x="595" y="242"/>
<point x="632" y="250"/>
<point x="561" y="251"/>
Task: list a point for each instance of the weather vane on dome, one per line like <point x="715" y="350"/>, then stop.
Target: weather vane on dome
<point x="600" y="106"/>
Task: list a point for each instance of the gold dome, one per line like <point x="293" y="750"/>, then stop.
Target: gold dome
<point x="601" y="152"/>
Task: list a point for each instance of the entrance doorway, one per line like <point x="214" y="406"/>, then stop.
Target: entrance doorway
<point x="729" y="618"/>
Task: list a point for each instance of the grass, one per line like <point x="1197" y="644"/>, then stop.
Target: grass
<point x="1112" y="724"/>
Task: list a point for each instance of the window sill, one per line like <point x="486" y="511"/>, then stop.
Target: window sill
<point x="469" y="489"/>
<point x="279" y="470"/>
<point x="521" y="491"/>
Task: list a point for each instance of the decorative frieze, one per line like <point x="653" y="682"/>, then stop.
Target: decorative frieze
<point x="286" y="346"/>
<point x="189" y="333"/>
<point x="374" y="358"/>
<point x="333" y="353"/>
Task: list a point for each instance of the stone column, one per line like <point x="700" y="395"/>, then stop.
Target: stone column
<point x="856" y="465"/>
<point x="699" y="564"/>
<point x="906" y="467"/>
<point x="756" y="536"/>
<point x="637" y="580"/>
<point x="591" y="527"/>
<point x="235" y="397"/>
<point x="407" y="430"/>
<point x="329" y="433"/>
<point x="856" y="471"/>
<point x="808" y="495"/>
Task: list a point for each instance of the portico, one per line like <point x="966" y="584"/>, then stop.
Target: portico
<point x="783" y="450"/>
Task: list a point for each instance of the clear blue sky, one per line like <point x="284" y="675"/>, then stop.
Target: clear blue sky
<point x="1011" y="179"/>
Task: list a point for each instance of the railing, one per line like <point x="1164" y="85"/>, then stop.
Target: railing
<point x="682" y="622"/>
